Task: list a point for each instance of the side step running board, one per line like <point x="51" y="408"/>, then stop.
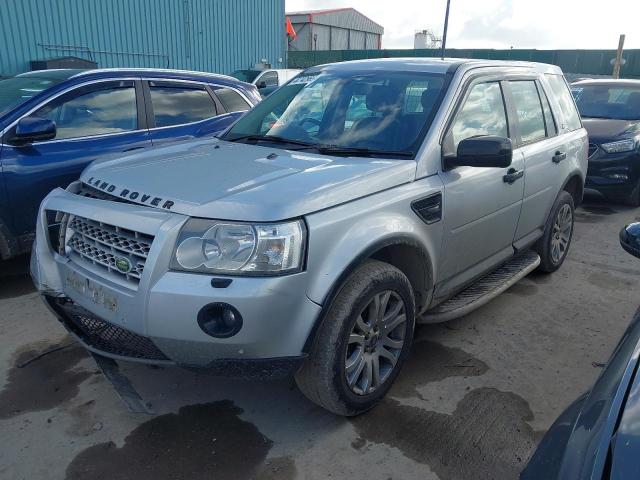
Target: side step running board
<point x="484" y="290"/>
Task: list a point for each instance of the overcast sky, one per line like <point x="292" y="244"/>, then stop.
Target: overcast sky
<point x="542" y="24"/>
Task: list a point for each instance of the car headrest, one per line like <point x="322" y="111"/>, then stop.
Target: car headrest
<point x="382" y="99"/>
<point x="428" y="100"/>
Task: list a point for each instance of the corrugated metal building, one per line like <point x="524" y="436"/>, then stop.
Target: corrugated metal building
<point x="208" y="35"/>
<point x="338" y="29"/>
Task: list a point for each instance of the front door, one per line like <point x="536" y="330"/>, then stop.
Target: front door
<point x="93" y="122"/>
<point x="480" y="208"/>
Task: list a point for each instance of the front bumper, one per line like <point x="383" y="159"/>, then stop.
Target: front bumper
<point x="614" y="175"/>
<point x="156" y="321"/>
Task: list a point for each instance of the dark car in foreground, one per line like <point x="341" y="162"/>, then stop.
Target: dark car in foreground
<point x="610" y="111"/>
<point x="598" y="436"/>
<point x="53" y="123"/>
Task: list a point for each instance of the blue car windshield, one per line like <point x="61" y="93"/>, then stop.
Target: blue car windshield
<point x="17" y="90"/>
<point x="355" y="113"/>
<point x="619" y="102"/>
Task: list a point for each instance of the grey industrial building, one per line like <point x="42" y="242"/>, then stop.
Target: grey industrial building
<point x="337" y="29"/>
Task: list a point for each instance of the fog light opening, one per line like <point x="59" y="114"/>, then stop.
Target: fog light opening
<point x="220" y="320"/>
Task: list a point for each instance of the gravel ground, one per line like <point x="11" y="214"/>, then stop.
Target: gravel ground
<point x="473" y="401"/>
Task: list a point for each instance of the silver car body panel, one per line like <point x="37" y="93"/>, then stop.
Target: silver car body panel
<point x="351" y="207"/>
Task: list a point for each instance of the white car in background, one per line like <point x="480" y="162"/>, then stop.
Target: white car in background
<point x="266" y="80"/>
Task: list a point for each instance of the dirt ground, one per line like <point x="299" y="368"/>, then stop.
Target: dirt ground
<point x="473" y="401"/>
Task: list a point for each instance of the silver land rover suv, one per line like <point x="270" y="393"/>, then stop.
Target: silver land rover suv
<point x="356" y="200"/>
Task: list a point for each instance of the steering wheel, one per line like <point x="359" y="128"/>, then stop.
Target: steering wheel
<point x="312" y="120"/>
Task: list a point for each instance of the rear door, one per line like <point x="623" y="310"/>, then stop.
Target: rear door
<point x="181" y="110"/>
<point x="544" y="154"/>
<point x="480" y="208"/>
<point x="93" y="121"/>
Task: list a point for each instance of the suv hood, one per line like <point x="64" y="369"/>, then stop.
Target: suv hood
<point x="235" y="181"/>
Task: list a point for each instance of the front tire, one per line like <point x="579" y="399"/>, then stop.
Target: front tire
<point x="556" y="240"/>
<point x="363" y="341"/>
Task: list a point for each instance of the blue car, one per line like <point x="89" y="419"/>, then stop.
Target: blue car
<point x="53" y="123"/>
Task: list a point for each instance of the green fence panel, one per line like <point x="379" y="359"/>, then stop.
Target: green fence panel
<point x="586" y="62"/>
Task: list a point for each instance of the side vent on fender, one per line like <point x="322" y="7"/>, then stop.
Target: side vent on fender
<point x="429" y="209"/>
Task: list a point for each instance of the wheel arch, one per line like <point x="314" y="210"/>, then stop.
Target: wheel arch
<point x="404" y="252"/>
<point x="574" y="185"/>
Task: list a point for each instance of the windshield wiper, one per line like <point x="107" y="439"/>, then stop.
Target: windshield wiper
<point x="324" y="149"/>
<point x="362" y="151"/>
<point x="272" y="138"/>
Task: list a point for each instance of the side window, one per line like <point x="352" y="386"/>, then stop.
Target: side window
<point x="528" y="110"/>
<point x="270" y="79"/>
<point x="177" y="104"/>
<point x="93" y="110"/>
<point x="565" y="101"/>
<point x="231" y="101"/>
<point x="483" y="113"/>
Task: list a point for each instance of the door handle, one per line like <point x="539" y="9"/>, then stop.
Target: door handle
<point x="131" y="149"/>
<point x="559" y="156"/>
<point x="512" y="175"/>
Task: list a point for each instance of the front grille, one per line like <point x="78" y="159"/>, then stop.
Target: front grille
<point x="104" y="336"/>
<point x="593" y="148"/>
<point x="104" y="245"/>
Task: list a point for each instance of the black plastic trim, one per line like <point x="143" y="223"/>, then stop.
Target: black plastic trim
<point x="251" y="368"/>
<point x="429" y="208"/>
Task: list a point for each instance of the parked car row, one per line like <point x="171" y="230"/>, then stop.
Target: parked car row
<point x="310" y="234"/>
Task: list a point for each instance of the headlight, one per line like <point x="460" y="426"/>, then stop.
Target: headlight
<point x="621" y="146"/>
<point x="221" y="247"/>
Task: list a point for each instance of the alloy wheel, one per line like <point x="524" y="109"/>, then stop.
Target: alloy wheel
<point x="375" y="342"/>
<point x="561" y="235"/>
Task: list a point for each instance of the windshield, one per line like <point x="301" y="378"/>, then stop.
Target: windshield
<point x="360" y="113"/>
<point x="17" y="90"/>
<point x="245" y="75"/>
<point x="617" y="102"/>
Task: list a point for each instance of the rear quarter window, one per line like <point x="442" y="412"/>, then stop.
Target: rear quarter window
<point x="231" y="101"/>
<point x="561" y="91"/>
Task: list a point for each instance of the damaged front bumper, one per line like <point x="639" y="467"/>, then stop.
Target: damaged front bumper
<point x="156" y="320"/>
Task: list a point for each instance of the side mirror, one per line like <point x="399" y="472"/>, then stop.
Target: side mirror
<point x="261" y="84"/>
<point x="483" y="151"/>
<point x="630" y="239"/>
<point x="34" y="129"/>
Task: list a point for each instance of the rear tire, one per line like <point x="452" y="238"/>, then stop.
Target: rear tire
<point x="556" y="240"/>
<point x="363" y="341"/>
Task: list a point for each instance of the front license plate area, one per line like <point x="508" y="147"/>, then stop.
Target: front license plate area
<point x="86" y="291"/>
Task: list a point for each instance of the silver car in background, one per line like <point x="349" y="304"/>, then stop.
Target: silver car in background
<point x="355" y="201"/>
